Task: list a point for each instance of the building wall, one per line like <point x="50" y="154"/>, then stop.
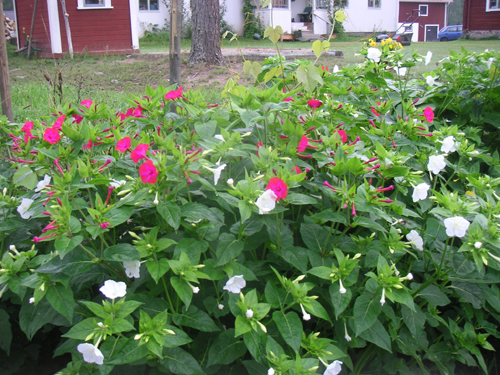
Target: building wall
<point x="436" y="15"/>
<point x="476" y="18"/>
<point x="41" y="34"/>
<point x="360" y="18"/>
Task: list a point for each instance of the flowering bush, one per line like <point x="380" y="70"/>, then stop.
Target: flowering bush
<point x="346" y="229"/>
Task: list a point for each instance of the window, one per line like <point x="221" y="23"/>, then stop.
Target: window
<point x="280" y="4"/>
<point x="94" y="4"/>
<point x="492" y="5"/>
<point x="149" y="5"/>
<point x="374" y="3"/>
<point x="423" y="10"/>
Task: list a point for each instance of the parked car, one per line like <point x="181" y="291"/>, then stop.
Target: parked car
<point x="452" y="32"/>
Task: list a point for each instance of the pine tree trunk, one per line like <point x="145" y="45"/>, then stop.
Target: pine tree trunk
<point x="205" y="41"/>
<point x="175" y="41"/>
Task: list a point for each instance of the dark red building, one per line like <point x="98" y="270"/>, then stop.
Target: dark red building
<point x="481" y="18"/>
<point x="96" y="26"/>
<point x="432" y="17"/>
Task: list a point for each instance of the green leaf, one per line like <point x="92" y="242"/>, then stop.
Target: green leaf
<point x="317" y="48"/>
<point x="5" y="331"/>
<point x="414" y="320"/>
<point x="435" y="296"/>
<point x="33" y="317"/>
<point x="61" y="299"/>
<point x="275" y="296"/>
<point x="122" y="252"/>
<point x="242" y="325"/>
<point x="301" y="199"/>
<point x="171" y="213"/>
<point x="96" y="309"/>
<point x="226" y="349"/>
<point x="256" y="341"/>
<point x="471" y="293"/>
<point x="180" y="362"/>
<point x="25" y="177"/>
<point x="274" y="34"/>
<point x="206" y="130"/>
<point x="366" y="311"/>
<point x="180" y="337"/>
<point x="182" y="289"/>
<point x="196" y="318"/>
<point x="245" y="210"/>
<point x="128" y="351"/>
<point x="157" y="268"/>
<point x="313" y="236"/>
<point x="82" y="330"/>
<point x="192" y="248"/>
<point x="127" y="308"/>
<point x="340" y="16"/>
<point x="378" y="335"/>
<point x="309" y="77"/>
<point x="121" y="325"/>
<point x="315" y="308"/>
<point x="65" y="244"/>
<point x="339" y="301"/>
<point x="117" y="216"/>
<point x="228" y="249"/>
<point x="290" y="327"/>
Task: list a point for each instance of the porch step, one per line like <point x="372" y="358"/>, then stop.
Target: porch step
<point x="303" y="26"/>
<point x="308" y="36"/>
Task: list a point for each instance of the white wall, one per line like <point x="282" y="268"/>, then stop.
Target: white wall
<point x="234" y="15"/>
<point x="298" y="6"/>
<point x="360" y="18"/>
<point x="147" y="19"/>
<point x="277" y="16"/>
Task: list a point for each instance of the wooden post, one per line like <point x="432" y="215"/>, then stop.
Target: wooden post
<point x="175" y="41"/>
<point x="68" y="30"/>
<point x="4" y="73"/>
<point x="28" y="54"/>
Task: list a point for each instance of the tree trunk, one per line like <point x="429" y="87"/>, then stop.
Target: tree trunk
<point x="175" y="41"/>
<point x="4" y="72"/>
<point x="205" y="41"/>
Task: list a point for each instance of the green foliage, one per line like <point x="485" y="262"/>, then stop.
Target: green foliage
<point x="252" y="25"/>
<point x="349" y="215"/>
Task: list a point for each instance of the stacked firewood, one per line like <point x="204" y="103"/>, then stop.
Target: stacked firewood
<point x="10" y="26"/>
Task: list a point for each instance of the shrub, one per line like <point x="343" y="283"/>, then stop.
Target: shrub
<point x="279" y="229"/>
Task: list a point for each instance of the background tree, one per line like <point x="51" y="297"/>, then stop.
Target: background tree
<point x="456" y="12"/>
<point x="205" y="41"/>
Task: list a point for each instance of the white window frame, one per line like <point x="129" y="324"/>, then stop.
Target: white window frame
<point x="421" y="13"/>
<point x="149" y="7"/>
<point x="490" y="9"/>
<point x="81" y="5"/>
<point x="373" y="6"/>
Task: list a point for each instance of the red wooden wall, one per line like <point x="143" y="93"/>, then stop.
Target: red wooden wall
<point x="476" y="17"/>
<point x="96" y="31"/>
<point x="435" y="11"/>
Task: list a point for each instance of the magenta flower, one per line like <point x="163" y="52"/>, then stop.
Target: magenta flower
<point x="51" y="135"/>
<point x="303" y="144"/>
<point x="86" y="103"/>
<point x="58" y="124"/>
<point x="124" y="144"/>
<point x="139" y="152"/>
<point x="174" y="94"/>
<point x="314" y="103"/>
<point x="28" y="125"/>
<point x="278" y="186"/>
<point x="429" y="114"/>
<point x="148" y="172"/>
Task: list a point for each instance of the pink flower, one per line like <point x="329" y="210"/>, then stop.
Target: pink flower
<point x="375" y="112"/>
<point x="77" y="118"/>
<point x="88" y="146"/>
<point x="124" y="144"/>
<point x="324" y="68"/>
<point x="343" y="135"/>
<point x="139" y="152"/>
<point x="289" y="99"/>
<point x="28" y="136"/>
<point x="28" y="125"/>
<point x="174" y="94"/>
<point x="429" y="114"/>
<point x="259" y="144"/>
<point x="58" y="124"/>
<point x="51" y="135"/>
<point x="303" y="144"/>
<point x="297" y="170"/>
<point x="105" y="225"/>
<point x="86" y="103"/>
<point x="314" y="103"/>
<point x="278" y="186"/>
<point x="148" y="172"/>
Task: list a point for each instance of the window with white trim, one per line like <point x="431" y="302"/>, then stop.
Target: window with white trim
<point x="374" y="3"/>
<point x="423" y="10"/>
<point x="280" y="4"/>
<point x="492" y="5"/>
<point x="94" y="4"/>
<point x="148" y="5"/>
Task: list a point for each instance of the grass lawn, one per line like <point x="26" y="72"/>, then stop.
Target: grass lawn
<point x="34" y="83"/>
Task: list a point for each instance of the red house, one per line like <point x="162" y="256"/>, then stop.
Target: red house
<point x="432" y="17"/>
<point x="96" y="26"/>
<point x="481" y="18"/>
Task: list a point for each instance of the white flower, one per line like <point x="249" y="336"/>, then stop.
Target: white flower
<point x="342" y="290"/>
<point x="217" y="171"/>
<point x="478" y="245"/>
<point x="448" y="144"/>
<point x="415" y="240"/>
<point x="428" y="57"/>
<point x="112" y="289"/>
<point x="132" y="268"/>
<point x="266" y="202"/>
<point x="333" y="368"/>
<point x="101" y="324"/>
<point x="32" y="300"/>
<point x="489" y="62"/>
<point x="407" y="277"/>
<point x="24" y="207"/>
<point x="235" y="284"/>
<point x="220" y="306"/>
<point x="270" y="371"/>
<point x="420" y="192"/>
<point x="382" y="300"/>
<point x="336" y="69"/>
<point x="305" y="315"/>
<point x="249" y="314"/>
<point x="430" y="80"/>
<point x="436" y="163"/>
<point x="195" y="289"/>
<point x="456" y="226"/>
<point x="220" y="137"/>
<point x="42" y="184"/>
<point x="117" y="183"/>
<point x="374" y="54"/>
<point x="400" y="71"/>
<point x="347" y="338"/>
<point x="91" y="354"/>
<point x="230" y="181"/>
